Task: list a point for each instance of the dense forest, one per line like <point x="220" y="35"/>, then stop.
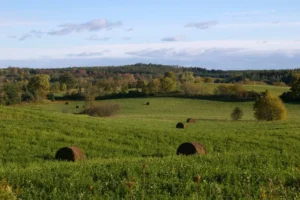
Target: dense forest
<point x="29" y="84"/>
<point x="155" y="70"/>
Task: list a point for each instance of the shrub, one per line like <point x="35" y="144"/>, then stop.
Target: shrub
<point x="193" y="89"/>
<point x="12" y="94"/>
<point x="27" y="96"/>
<point x="208" y="80"/>
<point x="103" y="110"/>
<point x="3" y="98"/>
<point x="268" y="107"/>
<point x="51" y="96"/>
<point x="237" y="113"/>
<point x="230" y="90"/>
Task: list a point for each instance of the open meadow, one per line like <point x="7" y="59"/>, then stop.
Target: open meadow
<point x="149" y="100"/>
<point x="133" y="155"/>
<point x="275" y="90"/>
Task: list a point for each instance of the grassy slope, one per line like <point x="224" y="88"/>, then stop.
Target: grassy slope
<point x="246" y="158"/>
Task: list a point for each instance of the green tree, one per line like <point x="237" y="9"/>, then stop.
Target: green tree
<point x="27" y="96"/>
<point x="170" y="74"/>
<point x="140" y="84"/>
<point x="63" y="87"/>
<point x="268" y="107"/>
<point x="295" y="87"/>
<point x="55" y="87"/>
<point x="39" y="85"/>
<point x="68" y="79"/>
<point x="90" y="95"/>
<point x="186" y="76"/>
<point x="237" y="113"/>
<point x="166" y="84"/>
<point x="153" y="86"/>
<point x="12" y="95"/>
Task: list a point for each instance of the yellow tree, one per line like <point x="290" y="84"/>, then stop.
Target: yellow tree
<point x="268" y="107"/>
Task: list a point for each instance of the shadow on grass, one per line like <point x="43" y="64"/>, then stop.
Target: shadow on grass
<point x="175" y="94"/>
<point x="226" y="120"/>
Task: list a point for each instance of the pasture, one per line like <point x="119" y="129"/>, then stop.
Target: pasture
<point x="275" y="90"/>
<point x="133" y="155"/>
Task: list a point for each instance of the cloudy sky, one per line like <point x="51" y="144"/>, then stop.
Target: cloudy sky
<point x="214" y="34"/>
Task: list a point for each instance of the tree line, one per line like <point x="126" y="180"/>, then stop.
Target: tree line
<point x="27" y="84"/>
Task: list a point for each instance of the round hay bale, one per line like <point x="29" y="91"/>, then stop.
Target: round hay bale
<point x="69" y="154"/>
<point x="190" y="120"/>
<point x="180" y="125"/>
<point x="147" y="103"/>
<point x="191" y="148"/>
<point x="67" y="103"/>
<point x="77" y="107"/>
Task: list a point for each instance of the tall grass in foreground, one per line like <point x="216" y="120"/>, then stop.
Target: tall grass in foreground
<point x="246" y="159"/>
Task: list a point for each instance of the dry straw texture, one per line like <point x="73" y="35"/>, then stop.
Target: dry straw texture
<point x="190" y="148"/>
<point x="70" y="154"/>
<point x="190" y="120"/>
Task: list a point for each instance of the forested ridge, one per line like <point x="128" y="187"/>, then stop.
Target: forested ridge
<point x="33" y="84"/>
<point x="156" y="70"/>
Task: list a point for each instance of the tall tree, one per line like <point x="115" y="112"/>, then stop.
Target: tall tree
<point x="68" y="79"/>
<point x="11" y="95"/>
<point x="39" y="85"/>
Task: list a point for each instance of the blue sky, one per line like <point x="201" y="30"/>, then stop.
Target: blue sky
<point x="213" y="34"/>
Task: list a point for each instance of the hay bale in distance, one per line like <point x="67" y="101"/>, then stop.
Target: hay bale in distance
<point x="147" y="103"/>
<point x="191" y="148"/>
<point x="180" y="125"/>
<point x="190" y="120"/>
<point x="77" y="107"/>
<point x="66" y="103"/>
<point x="69" y="154"/>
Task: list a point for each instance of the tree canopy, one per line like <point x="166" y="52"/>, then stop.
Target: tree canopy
<point x="268" y="107"/>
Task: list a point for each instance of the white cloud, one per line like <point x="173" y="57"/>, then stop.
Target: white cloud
<point x="97" y="38"/>
<point x="174" y="38"/>
<point x="65" y="29"/>
<point x="12" y="36"/>
<point x="25" y="36"/>
<point x="214" y="54"/>
<point x="88" y="54"/>
<point x="202" y="25"/>
<point x="33" y="33"/>
<point x="130" y="29"/>
<point x="94" y="25"/>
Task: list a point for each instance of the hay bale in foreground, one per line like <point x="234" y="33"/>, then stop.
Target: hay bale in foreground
<point x="190" y="120"/>
<point x="180" y="125"/>
<point x="69" y="154"/>
<point x="191" y="148"/>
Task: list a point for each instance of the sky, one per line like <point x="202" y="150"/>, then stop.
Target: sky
<point x="214" y="34"/>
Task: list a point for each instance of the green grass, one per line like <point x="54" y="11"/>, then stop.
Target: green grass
<point x="275" y="90"/>
<point x="246" y="159"/>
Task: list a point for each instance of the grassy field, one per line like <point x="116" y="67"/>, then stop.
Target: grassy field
<point x="246" y="159"/>
<point x="275" y="90"/>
